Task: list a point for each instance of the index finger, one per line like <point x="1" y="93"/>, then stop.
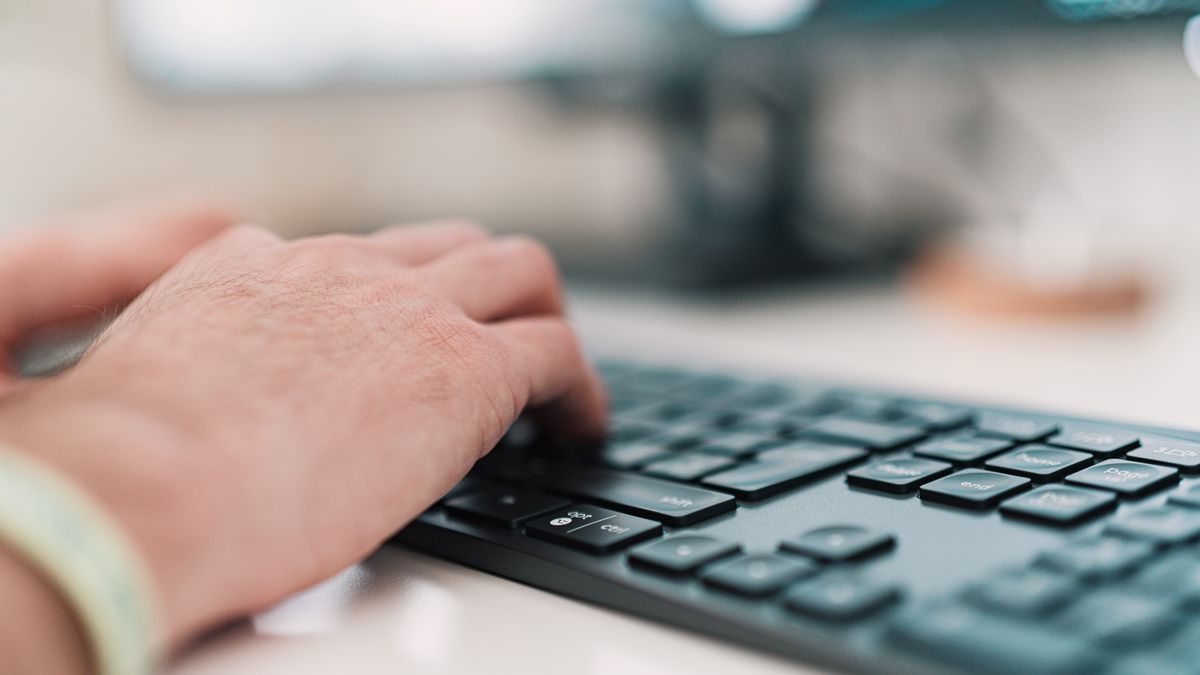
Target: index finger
<point x="558" y="382"/>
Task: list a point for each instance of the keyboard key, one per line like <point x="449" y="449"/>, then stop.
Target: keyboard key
<point x="1120" y="618"/>
<point x="1096" y="558"/>
<point x="1132" y="479"/>
<point x="1175" y="576"/>
<point x="1040" y="463"/>
<point x="624" y="432"/>
<point x="689" y="466"/>
<point x="936" y="416"/>
<point x="682" y="554"/>
<point x="985" y="643"/>
<point x="840" y="597"/>
<point x="1059" y="504"/>
<point x="1161" y="525"/>
<point x="1171" y="452"/>
<point x="973" y="488"/>
<point x="1187" y="496"/>
<point x="1023" y="592"/>
<point x="735" y="444"/>
<point x="633" y="455"/>
<point x="1101" y="441"/>
<point x="874" y="435"/>
<point x="839" y="543"/>
<point x="664" y="501"/>
<point x="593" y="529"/>
<point x="781" y="469"/>
<point x="506" y="507"/>
<point x="898" y="475"/>
<point x="1014" y="428"/>
<point x="961" y="449"/>
<point x="757" y="575"/>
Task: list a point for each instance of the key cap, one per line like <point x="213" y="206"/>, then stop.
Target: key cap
<point x="840" y="597"/>
<point x="633" y="455"/>
<point x="1119" y="618"/>
<point x="838" y="543"/>
<point x="736" y="444"/>
<point x="689" y="466"/>
<point x="1164" y="525"/>
<point x="1096" y="558"/>
<point x="961" y="449"/>
<point x="1187" y="496"/>
<point x="1059" y="504"/>
<point x="1100" y="441"/>
<point x="983" y="643"/>
<point x="592" y="528"/>
<point x="897" y="475"/>
<point x="1013" y="427"/>
<point x="624" y="432"/>
<point x="1040" y="463"/>
<point x="682" y="554"/>
<point x="503" y="506"/>
<point x="757" y="575"/>
<point x="1175" y="576"/>
<point x="973" y="488"/>
<point x="936" y="416"/>
<point x="1171" y="452"/>
<point x="1132" y="479"/>
<point x="874" y="435"/>
<point x="664" y="501"/>
<point x="1023" y="592"/>
<point x="781" y="469"/>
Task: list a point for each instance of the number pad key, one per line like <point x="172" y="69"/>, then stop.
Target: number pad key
<point x="592" y="528"/>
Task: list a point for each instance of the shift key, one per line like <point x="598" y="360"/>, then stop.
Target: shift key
<point x="667" y="502"/>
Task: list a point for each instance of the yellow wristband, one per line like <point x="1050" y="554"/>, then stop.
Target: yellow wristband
<point x="82" y="551"/>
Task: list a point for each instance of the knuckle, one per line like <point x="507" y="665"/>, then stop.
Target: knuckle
<point x="328" y="249"/>
<point x="467" y="229"/>
<point x="534" y="254"/>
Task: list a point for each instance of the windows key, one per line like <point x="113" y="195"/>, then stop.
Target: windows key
<point x="592" y="528"/>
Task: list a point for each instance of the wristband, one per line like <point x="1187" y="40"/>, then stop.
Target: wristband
<point x="73" y="542"/>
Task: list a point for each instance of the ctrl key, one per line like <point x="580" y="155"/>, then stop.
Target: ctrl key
<point x="592" y="528"/>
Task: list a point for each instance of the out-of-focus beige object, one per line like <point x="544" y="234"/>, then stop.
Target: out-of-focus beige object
<point x="956" y="278"/>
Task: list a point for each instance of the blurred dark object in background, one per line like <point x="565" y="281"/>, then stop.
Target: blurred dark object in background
<point x="798" y="137"/>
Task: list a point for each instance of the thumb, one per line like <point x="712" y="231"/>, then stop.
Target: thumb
<point x="84" y="264"/>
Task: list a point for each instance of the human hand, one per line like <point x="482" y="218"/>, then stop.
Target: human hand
<point x="269" y="412"/>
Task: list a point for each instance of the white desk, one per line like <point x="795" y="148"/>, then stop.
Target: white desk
<point x="402" y="612"/>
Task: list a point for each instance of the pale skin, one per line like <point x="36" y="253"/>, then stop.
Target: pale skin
<point x="265" y="413"/>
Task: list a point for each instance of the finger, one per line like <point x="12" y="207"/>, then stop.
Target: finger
<point x="505" y="278"/>
<point x="561" y="386"/>
<point x="419" y="243"/>
<point x="98" y="260"/>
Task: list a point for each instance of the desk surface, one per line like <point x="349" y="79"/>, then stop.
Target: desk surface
<point x="402" y="612"/>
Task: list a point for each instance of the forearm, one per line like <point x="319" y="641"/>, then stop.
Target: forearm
<point x="38" y="632"/>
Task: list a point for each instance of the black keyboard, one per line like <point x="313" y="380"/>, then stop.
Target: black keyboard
<point x="857" y="530"/>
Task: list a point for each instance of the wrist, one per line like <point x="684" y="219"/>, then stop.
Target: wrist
<point x="137" y="468"/>
<point x="40" y="633"/>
